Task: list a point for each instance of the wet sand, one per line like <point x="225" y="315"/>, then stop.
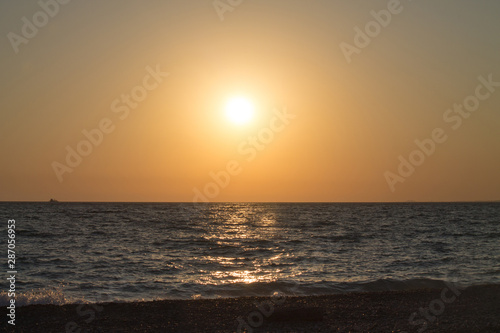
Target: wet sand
<point x="475" y="309"/>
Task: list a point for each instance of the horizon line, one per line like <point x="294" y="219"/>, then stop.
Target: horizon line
<point x="227" y="202"/>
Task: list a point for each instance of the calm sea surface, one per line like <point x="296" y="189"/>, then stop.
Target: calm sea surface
<point x="84" y="252"/>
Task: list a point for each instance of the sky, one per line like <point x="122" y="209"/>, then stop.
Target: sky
<point x="353" y="101"/>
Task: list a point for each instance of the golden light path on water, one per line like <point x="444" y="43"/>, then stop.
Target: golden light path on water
<point x="237" y="232"/>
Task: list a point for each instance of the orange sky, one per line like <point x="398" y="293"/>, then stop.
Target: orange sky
<point x="351" y="114"/>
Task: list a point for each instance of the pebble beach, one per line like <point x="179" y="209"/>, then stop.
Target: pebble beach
<point x="474" y="309"/>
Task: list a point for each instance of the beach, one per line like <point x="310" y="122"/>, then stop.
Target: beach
<point x="474" y="309"/>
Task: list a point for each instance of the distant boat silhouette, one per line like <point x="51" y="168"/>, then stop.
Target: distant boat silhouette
<point x="53" y="201"/>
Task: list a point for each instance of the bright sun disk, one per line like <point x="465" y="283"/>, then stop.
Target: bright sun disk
<point x="239" y="110"/>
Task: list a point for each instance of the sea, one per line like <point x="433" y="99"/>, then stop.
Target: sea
<point x="122" y="252"/>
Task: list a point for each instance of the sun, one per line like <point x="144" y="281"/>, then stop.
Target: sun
<point x="239" y="110"/>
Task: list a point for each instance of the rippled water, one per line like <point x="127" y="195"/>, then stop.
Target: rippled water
<point x="71" y="252"/>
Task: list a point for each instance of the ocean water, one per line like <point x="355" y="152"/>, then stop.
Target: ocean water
<point x="92" y="252"/>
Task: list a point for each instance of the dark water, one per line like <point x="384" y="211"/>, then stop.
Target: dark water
<point x="70" y="252"/>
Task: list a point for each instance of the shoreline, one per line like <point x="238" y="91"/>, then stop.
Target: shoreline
<point x="473" y="309"/>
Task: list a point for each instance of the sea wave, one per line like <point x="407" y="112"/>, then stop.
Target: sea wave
<point x="56" y="296"/>
<point x="53" y="296"/>
<point x="292" y="288"/>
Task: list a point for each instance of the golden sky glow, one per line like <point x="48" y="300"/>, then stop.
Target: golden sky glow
<point x="127" y="101"/>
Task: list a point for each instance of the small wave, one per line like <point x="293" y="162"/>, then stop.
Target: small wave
<point x="34" y="233"/>
<point x="56" y="296"/>
<point x="397" y="285"/>
<point x="492" y="235"/>
<point x="351" y="238"/>
<point x="53" y="296"/>
<point x="96" y="211"/>
<point x="292" y="288"/>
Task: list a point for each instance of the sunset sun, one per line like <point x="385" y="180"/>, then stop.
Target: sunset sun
<point x="239" y="110"/>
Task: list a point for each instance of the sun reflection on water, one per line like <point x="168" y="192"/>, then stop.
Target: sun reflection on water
<point x="240" y="246"/>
